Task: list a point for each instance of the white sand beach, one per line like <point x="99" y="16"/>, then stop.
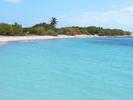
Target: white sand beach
<point x="8" y="39"/>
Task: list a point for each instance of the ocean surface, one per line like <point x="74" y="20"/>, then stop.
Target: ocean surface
<point x="67" y="69"/>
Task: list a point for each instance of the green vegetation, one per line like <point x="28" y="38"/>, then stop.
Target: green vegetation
<point x="12" y="30"/>
<point x="50" y="29"/>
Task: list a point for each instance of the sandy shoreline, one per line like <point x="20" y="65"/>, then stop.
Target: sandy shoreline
<point x="9" y="39"/>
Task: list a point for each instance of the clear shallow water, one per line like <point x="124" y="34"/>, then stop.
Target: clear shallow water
<point x="67" y="69"/>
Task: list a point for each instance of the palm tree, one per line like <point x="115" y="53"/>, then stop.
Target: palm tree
<point x="53" y="22"/>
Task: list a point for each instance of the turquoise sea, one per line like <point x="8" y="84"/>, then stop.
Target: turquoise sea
<point x="67" y="69"/>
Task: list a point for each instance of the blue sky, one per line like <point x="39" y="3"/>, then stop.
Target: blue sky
<point x="105" y="13"/>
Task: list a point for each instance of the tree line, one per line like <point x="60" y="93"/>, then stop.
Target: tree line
<point x="50" y="29"/>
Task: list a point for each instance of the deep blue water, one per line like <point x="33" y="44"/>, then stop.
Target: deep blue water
<point x="67" y="69"/>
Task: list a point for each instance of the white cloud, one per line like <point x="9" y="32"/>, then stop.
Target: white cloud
<point x="128" y="9"/>
<point x="14" y="1"/>
<point x="121" y="18"/>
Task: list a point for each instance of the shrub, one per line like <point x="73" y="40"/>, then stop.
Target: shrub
<point x="38" y="31"/>
<point x="52" y="32"/>
<point x="17" y="29"/>
<point x="6" y="29"/>
<point x="70" y="31"/>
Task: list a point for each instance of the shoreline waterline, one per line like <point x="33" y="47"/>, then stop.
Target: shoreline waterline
<point x="10" y="39"/>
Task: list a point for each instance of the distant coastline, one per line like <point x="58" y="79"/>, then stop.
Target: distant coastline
<point x="10" y="39"/>
<point x="43" y="31"/>
<point x="50" y="29"/>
